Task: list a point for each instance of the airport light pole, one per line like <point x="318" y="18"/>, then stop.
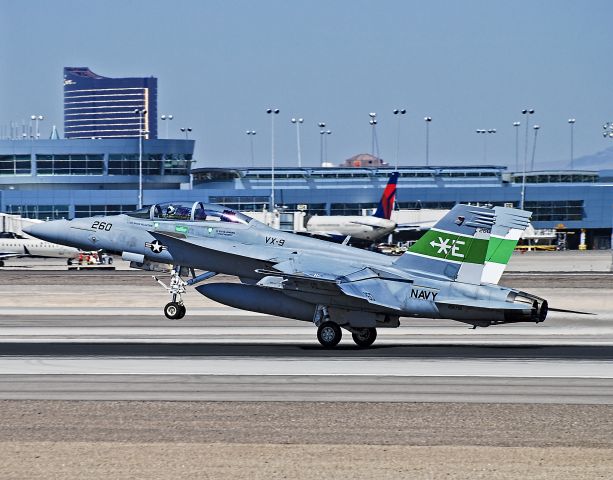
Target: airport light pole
<point x="141" y="114"/>
<point x="516" y="126"/>
<point x="321" y="126"/>
<point x="527" y="112"/>
<point x="427" y="120"/>
<point x="251" y="134"/>
<point x="571" y="122"/>
<point x="398" y="112"/>
<point x="297" y="122"/>
<point x="536" y="130"/>
<point x="187" y="131"/>
<point x="169" y="118"/>
<point x="373" y="123"/>
<point x="37" y="118"/>
<point x="485" y="133"/>
<point x="323" y="134"/>
<point x="272" y="112"/>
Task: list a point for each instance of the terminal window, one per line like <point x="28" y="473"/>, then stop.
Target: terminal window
<point x="40" y="212"/>
<point x="15" y="165"/>
<point x="553" y="211"/>
<point x="73" y="164"/>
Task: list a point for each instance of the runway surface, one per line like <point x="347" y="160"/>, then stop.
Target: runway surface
<point x="101" y="335"/>
<point x="94" y="379"/>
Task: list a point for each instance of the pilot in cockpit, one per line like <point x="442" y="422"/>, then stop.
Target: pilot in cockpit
<point x="170" y="211"/>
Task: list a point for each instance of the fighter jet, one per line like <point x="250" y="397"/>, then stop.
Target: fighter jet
<point x="451" y="272"/>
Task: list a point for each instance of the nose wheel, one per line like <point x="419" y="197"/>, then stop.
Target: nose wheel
<point x="174" y="310"/>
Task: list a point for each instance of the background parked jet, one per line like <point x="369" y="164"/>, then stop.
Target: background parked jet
<point x="13" y="245"/>
<point x="362" y="227"/>
<point x="331" y="285"/>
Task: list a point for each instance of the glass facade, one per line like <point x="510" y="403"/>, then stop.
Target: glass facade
<point x="70" y="164"/>
<point x="92" y="210"/>
<point x="153" y="164"/>
<point x="555" y="210"/>
<point x="41" y="212"/>
<point x="101" y="107"/>
<point x="15" y="165"/>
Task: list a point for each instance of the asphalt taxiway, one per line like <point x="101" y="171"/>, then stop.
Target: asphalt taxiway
<point x="93" y="378"/>
<point x="90" y="335"/>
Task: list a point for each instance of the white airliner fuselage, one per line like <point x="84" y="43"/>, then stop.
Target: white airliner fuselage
<point x="362" y="227"/>
<point x="15" y="246"/>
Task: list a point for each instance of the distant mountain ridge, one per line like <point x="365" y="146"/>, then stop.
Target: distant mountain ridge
<point x="602" y="160"/>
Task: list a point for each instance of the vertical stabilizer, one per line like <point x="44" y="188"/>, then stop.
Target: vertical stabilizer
<point x="455" y="247"/>
<point x="508" y="227"/>
<point x="386" y="205"/>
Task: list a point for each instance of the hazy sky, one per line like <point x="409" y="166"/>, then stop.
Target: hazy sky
<point x="467" y="64"/>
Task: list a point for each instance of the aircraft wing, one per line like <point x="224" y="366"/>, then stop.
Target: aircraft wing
<point x="4" y="255"/>
<point x="365" y="223"/>
<point x="294" y="274"/>
<point x="409" y="227"/>
<point x="183" y="250"/>
<point x="364" y="285"/>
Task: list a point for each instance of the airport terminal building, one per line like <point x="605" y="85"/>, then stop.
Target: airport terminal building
<point x="51" y="179"/>
<point x="108" y="121"/>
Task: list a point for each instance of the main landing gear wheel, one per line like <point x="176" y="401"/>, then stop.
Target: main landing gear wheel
<point x="174" y="310"/>
<point x="364" y="337"/>
<point x="329" y="334"/>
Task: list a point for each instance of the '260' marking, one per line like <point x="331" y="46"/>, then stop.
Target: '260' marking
<point x="102" y="225"/>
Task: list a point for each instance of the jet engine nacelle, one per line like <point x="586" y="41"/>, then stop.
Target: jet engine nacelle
<point x="258" y="299"/>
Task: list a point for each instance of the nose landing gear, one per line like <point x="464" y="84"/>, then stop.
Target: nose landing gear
<point x="175" y="309"/>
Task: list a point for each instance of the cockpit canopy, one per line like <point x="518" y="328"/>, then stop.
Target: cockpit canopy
<point x="187" y="211"/>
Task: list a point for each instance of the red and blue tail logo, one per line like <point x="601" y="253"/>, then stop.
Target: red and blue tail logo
<point x="386" y="205"/>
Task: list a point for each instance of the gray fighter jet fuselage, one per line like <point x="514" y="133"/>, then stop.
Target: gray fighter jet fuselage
<point x="332" y="285"/>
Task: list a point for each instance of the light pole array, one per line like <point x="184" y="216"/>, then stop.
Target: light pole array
<point x="169" y="118"/>
<point x="398" y="112"/>
<point x="485" y="134"/>
<point x="141" y="114"/>
<point x="186" y="131"/>
<point x="251" y="134"/>
<point x="373" y="124"/>
<point x="321" y="126"/>
<point x="516" y="126"/>
<point x="571" y="122"/>
<point x="272" y="112"/>
<point x="527" y="112"/>
<point x="427" y="120"/>
<point x="536" y="130"/>
<point x="36" y="119"/>
<point x="607" y="130"/>
<point x="323" y="134"/>
<point x="297" y="122"/>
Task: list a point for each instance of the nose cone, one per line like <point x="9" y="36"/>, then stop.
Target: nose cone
<point x="56" y="231"/>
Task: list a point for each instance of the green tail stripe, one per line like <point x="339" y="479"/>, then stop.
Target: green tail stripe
<point x="499" y="250"/>
<point x="451" y="247"/>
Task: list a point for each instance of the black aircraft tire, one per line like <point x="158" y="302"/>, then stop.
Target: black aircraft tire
<point x="364" y="337"/>
<point x="172" y="310"/>
<point x="182" y="312"/>
<point x="1" y="263"/>
<point x="329" y="334"/>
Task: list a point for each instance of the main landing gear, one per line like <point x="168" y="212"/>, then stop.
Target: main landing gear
<point x="329" y="335"/>
<point x="175" y="309"/>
